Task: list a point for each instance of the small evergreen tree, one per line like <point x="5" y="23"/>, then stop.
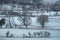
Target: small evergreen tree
<point x="2" y="22"/>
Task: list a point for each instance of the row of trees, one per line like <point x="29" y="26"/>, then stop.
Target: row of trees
<point x="42" y="19"/>
<point x="55" y="6"/>
<point x="23" y="17"/>
<point x="35" y="4"/>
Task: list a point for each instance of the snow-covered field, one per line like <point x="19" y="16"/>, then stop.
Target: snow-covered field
<point x="18" y="33"/>
<point x="54" y="23"/>
<point x="30" y="39"/>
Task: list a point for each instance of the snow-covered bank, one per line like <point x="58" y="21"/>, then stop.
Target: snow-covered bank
<point x="20" y="32"/>
<point x="30" y="39"/>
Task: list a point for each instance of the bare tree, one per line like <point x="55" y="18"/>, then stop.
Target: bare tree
<point x="42" y="19"/>
<point x="25" y="16"/>
<point x="38" y="3"/>
<point x="25" y="20"/>
<point x="8" y="13"/>
<point x="48" y="5"/>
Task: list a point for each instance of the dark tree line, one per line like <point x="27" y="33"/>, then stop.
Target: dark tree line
<point x="55" y="7"/>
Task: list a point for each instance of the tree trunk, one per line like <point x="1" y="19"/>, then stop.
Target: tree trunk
<point x="43" y="25"/>
<point x="0" y="26"/>
<point x="26" y="26"/>
<point x="9" y="22"/>
<point x="56" y="13"/>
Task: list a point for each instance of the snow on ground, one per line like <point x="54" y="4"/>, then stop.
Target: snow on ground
<point x="30" y="39"/>
<point x="53" y="22"/>
<point x="20" y="32"/>
<point x="54" y="34"/>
